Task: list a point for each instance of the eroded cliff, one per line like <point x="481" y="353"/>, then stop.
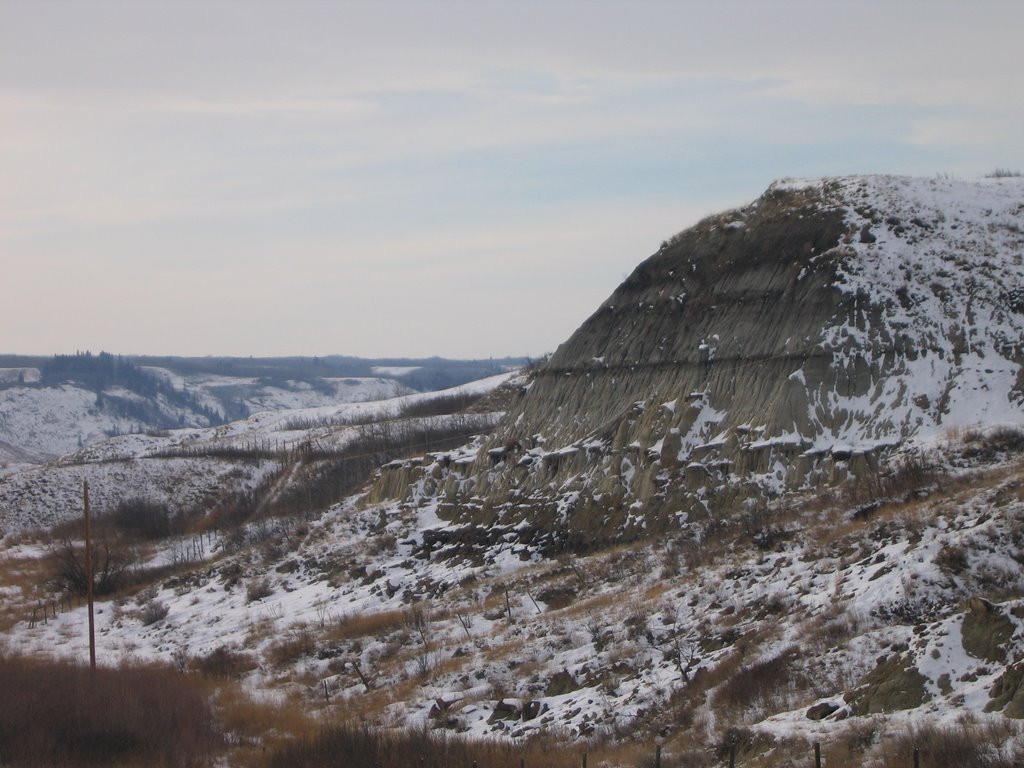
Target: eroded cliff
<point x="788" y="344"/>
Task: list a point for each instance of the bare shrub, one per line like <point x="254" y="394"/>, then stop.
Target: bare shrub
<point x="912" y="475"/>
<point x="224" y="662"/>
<point x="987" y="446"/>
<point x="142" y="519"/>
<point x="297" y="643"/>
<point x="153" y="612"/>
<point x="1003" y="173"/>
<point x="952" y="559"/>
<point x="442" y="405"/>
<point x="966" y="745"/>
<point x="257" y="589"/>
<point x="759" y="684"/>
<point x="112" y="563"/>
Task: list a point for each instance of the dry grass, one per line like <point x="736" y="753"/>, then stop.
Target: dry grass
<point x="360" y="625"/>
<point x="28" y="576"/>
<point x="59" y="714"/>
<point x="596" y="604"/>
<point x="966" y="745"/>
<point x="296" y="643"/>
<point x="760" y="686"/>
<point x="255" y="727"/>
<point x="349" y="744"/>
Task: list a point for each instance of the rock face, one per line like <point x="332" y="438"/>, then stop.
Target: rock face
<point x="986" y="631"/>
<point x="785" y="345"/>
<point x="893" y="685"/>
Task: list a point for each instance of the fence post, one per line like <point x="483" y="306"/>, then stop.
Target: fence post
<point x="732" y="753"/>
<point x="917" y="758"/>
<point x="657" y="756"/>
<point x="817" y="755"/>
<point x="584" y="759"/>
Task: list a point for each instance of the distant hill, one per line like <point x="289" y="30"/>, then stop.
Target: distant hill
<point x="50" y="406"/>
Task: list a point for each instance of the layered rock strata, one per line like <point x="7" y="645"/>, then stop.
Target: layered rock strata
<point x="788" y="344"/>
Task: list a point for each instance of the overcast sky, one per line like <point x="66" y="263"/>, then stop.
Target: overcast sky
<point x="467" y="179"/>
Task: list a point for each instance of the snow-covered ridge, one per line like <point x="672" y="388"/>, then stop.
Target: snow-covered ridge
<point x="942" y="264"/>
<point x="190" y="467"/>
<point x="38" y="424"/>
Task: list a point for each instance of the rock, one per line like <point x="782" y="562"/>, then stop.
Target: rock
<point x="1007" y="693"/>
<point x="533" y="709"/>
<point x="986" y="631"/>
<point x="505" y="710"/>
<point x="560" y="684"/>
<point x="893" y="685"/>
<point x="821" y="710"/>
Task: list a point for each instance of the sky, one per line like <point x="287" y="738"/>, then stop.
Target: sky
<point x="463" y="179"/>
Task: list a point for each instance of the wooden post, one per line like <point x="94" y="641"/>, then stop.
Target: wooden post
<point x="508" y="610"/>
<point x="732" y="754"/>
<point x="362" y="677"/>
<point x="584" y="760"/>
<point x="533" y="601"/>
<point x="465" y="625"/>
<point x="917" y="758"/>
<point x="88" y="576"/>
<point x="817" y="755"/>
<point x="657" y="756"/>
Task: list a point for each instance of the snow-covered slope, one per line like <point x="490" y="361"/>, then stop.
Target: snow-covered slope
<point x="189" y="468"/>
<point x="879" y="620"/>
<point x="39" y="423"/>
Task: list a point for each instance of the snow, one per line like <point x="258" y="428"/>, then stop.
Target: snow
<point x="33" y="495"/>
<point x="394" y="370"/>
<point x="38" y="424"/>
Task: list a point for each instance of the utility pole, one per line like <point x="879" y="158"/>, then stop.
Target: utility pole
<point x="88" y="576"/>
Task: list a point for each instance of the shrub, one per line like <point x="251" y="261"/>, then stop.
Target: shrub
<point x="966" y="745"/>
<point x="952" y="559"/>
<point x="1003" y="173"/>
<point x="991" y="445"/>
<point x="153" y="612"/>
<point x="257" y="589"/>
<point x="760" y="683"/>
<point x="112" y="564"/>
<point x="142" y="519"/>
<point x="224" y="662"/>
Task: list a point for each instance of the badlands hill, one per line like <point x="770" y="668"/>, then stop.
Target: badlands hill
<point x="786" y="345"/>
<point x="769" y="494"/>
